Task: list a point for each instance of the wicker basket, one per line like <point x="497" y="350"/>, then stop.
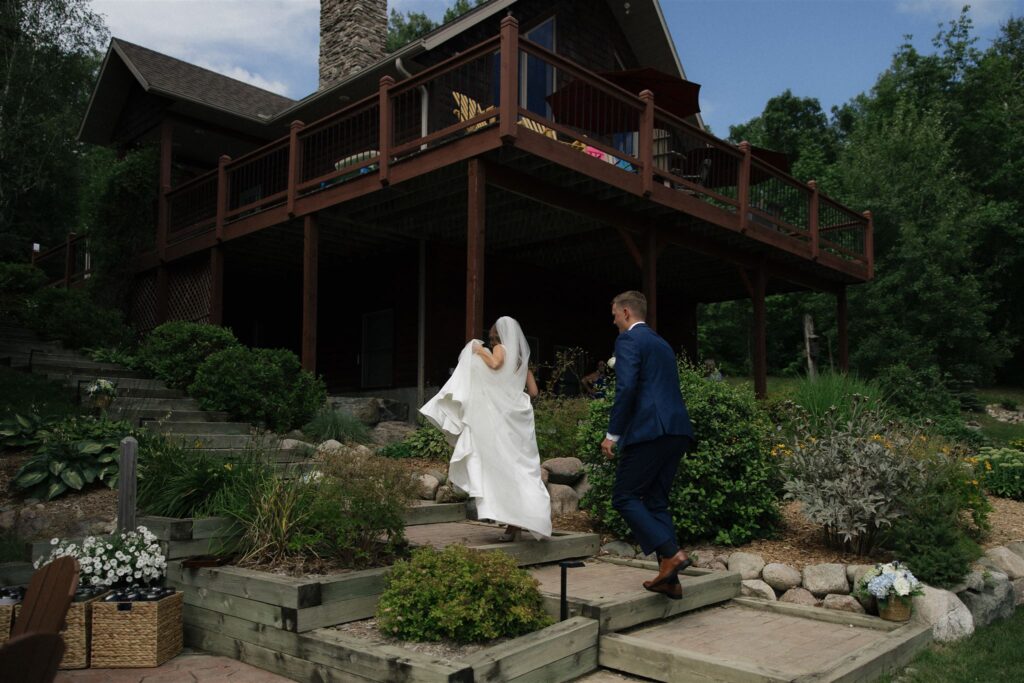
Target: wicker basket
<point x="136" y="634"/>
<point x="6" y="621"/>
<point x="896" y="609"/>
<point x="77" y="634"/>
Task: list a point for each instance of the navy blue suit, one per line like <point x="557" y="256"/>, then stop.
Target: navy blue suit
<point x="654" y="431"/>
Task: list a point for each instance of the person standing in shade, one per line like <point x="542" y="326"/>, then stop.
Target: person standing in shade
<point x="651" y="430"/>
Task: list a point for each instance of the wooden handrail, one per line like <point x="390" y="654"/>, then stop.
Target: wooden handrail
<point x="311" y="129"/>
<point x="188" y="184"/>
<point x="450" y="64"/>
<point x="578" y="71"/>
<point x="259" y="152"/>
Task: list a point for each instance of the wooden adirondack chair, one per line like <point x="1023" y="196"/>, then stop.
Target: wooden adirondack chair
<point x="33" y="656"/>
<point x="48" y="597"/>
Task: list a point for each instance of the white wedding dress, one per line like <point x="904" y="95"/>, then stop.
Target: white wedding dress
<point x="488" y="418"/>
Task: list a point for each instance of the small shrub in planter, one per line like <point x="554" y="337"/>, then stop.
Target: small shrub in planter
<point x="260" y="386"/>
<point x="1002" y="471"/>
<point x="174" y="351"/>
<point x="461" y="595"/>
<point x="71" y="316"/>
<point x="724" y="490"/>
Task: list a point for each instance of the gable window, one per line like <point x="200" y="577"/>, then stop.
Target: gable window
<point x="537" y="79"/>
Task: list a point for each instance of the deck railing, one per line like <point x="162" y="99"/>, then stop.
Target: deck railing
<point x="67" y="264"/>
<point x="520" y="88"/>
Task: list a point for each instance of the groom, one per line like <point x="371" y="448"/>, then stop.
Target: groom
<point x="651" y="429"/>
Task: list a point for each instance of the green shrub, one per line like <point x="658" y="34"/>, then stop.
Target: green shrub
<point x="174" y="351"/>
<point x="357" y="515"/>
<point x="71" y="316"/>
<point x="1002" y="471"/>
<point x="917" y="392"/>
<point x="338" y="425"/>
<point x="461" y="595"/>
<point x="949" y="508"/>
<point x="817" y="396"/>
<point x="74" y="453"/>
<point x="723" y="490"/>
<point x="21" y="431"/>
<point x="426" y="442"/>
<point x="176" y="481"/>
<point x="556" y="419"/>
<point x="261" y="386"/>
<point x="20" y="278"/>
<point x="29" y="394"/>
<point x="117" y="355"/>
<point x="852" y="475"/>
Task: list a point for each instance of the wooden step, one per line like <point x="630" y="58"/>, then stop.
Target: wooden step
<point x="479" y="536"/>
<point x="148" y="416"/>
<point x="170" y="429"/>
<point x="747" y="639"/>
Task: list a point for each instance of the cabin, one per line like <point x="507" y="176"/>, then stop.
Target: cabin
<point x="530" y="158"/>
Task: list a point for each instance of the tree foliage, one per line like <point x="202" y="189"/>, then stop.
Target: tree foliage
<point x="48" y="56"/>
<point x="403" y="28"/>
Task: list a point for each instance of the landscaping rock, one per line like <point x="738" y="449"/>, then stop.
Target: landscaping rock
<point x="582" y="486"/>
<point x="822" y="579"/>
<point x="843" y="603"/>
<point x="295" y="445"/>
<point x="755" y="588"/>
<point x="437" y="474"/>
<point x="1017" y="548"/>
<point x="995" y="602"/>
<point x="949" y="618"/>
<point x="781" y="577"/>
<point x="619" y="549"/>
<point x="366" y="410"/>
<point x="563" y="499"/>
<point x="563" y="470"/>
<point x="748" y="565"/>
<point x="428" y="486"/>
<point x="855" y="572"/>
<point x="544" y="475"/>
<point x="1018" y="591"/>
<point x="447" y="493"/>
<point x="391" y="431"/>
<point x="799" y="596"/>
<point x="1005" y="561"/>
<point x="718" y="566"/>
<point x="330" y="446"/>
<point x="975" y="581"/>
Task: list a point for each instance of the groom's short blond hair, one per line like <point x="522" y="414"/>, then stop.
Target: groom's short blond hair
<point x="635" y="301"/>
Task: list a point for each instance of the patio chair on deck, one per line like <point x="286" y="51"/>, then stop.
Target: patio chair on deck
<point x="34" y="656"/>
<point x="48" y="598"/>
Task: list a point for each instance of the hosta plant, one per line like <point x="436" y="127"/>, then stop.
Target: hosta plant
<point x="61" y="465"/>
<point x="21" y="431"/>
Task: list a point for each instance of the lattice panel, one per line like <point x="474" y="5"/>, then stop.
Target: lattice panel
<point x="188" y="296"/>
<point x="143" y="311"/>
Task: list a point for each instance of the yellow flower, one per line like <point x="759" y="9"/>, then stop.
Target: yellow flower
<point x="988" y="466"/>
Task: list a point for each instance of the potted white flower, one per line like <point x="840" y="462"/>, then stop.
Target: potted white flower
<point x="123" y="559"/>
<point x="893" y="586"/>
<point x="102" y="392"/>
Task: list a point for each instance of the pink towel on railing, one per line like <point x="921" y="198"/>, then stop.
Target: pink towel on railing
<point x="598" y="154"/>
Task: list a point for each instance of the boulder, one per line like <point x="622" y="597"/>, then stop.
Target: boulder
<point x="544" y="475"/>
<point x="855" y="572"/>
<point x="748" y="565"/>
<point x="1018" y="591"/>
<point x="563" y="499"/>
<point x="582" y="486"/>
<point x="822" y="579"/>
<point x="563" y="470"/>
<point x="755" y="588"/>
<point x="427" y="486"/>
<point x="448" y="493"/>
<point x="619" y="549"/>
<point x="391" y="432"/>
<point x="843" y="603"/>
<point x="996" y="601"/>
<point x="437" y="474"/>
<point x="1016" y="547"/>
<point x="799" y="596"/>
<point x="295" y="445"/>
<point x="781" y="577"/>
<point x="974" y="581"/>
<point x="1006" y="561"/>
<point x="330" y="446"/>
<point x="717" y="566"/>
<point x="364" y="409"/>
<point x="949" y="618"/>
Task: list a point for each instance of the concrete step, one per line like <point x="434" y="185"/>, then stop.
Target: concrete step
<point x="129" y="403"/>
<point x="202" y="428"/>
<point x="146" y="417"/>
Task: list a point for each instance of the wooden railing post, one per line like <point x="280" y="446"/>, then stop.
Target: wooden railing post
<point x="813" y="218"/>
<point x="166" y="153"/>
<point x="67" y="260"/>
<point x="293" y="163"/>
<point x="222" y="195"/>
<point x="508" y="106"/>
<point x="869" y="244"/>
<point x="126" y="484"/>
<point x="475" y="236"/>
<point x="647" y="142"/>
<point x="743" y="186"/>
<point x="386" y="82"/>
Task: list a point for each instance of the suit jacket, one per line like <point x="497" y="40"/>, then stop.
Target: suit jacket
<point x="648" y="403"/>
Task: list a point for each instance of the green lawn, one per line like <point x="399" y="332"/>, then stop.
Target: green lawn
<point x="992" y="655"/>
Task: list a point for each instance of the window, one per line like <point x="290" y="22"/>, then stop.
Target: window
<point x="537" y="78"/>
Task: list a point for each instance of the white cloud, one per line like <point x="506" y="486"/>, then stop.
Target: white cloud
<point x="983" y="12"/>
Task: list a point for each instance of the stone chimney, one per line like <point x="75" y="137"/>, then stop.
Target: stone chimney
<point x="352" y="37"/>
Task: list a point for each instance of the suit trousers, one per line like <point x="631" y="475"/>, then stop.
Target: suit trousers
<point x="643" y="480"/>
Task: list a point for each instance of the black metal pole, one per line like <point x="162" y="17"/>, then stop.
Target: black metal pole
<point x="564" y="613"/>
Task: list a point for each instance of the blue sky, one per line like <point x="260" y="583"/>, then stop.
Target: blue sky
<point x="743" y="52"/>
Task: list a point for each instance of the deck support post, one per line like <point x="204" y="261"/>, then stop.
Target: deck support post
<point x="475" y="230"/>
<point x="743" y="186"/>
<point x="689" y="319"/>
<point x="310" y="264"/>
<point x="842" y="330"/>
<point x="216" y="316"/>
<point x="650" y="275"/>
<point x="759" y="338"/>
<point x="166" y="160"/>
<point x="384" y="160"/>
<point x="294" y="159"/>
<point x="646" y="142"/>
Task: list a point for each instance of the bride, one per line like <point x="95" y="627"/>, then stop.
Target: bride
<point x="486" y="415"/>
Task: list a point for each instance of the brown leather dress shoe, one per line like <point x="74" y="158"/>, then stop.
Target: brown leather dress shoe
<point x="668" y="569"/>
<point x="670" y="588"/>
